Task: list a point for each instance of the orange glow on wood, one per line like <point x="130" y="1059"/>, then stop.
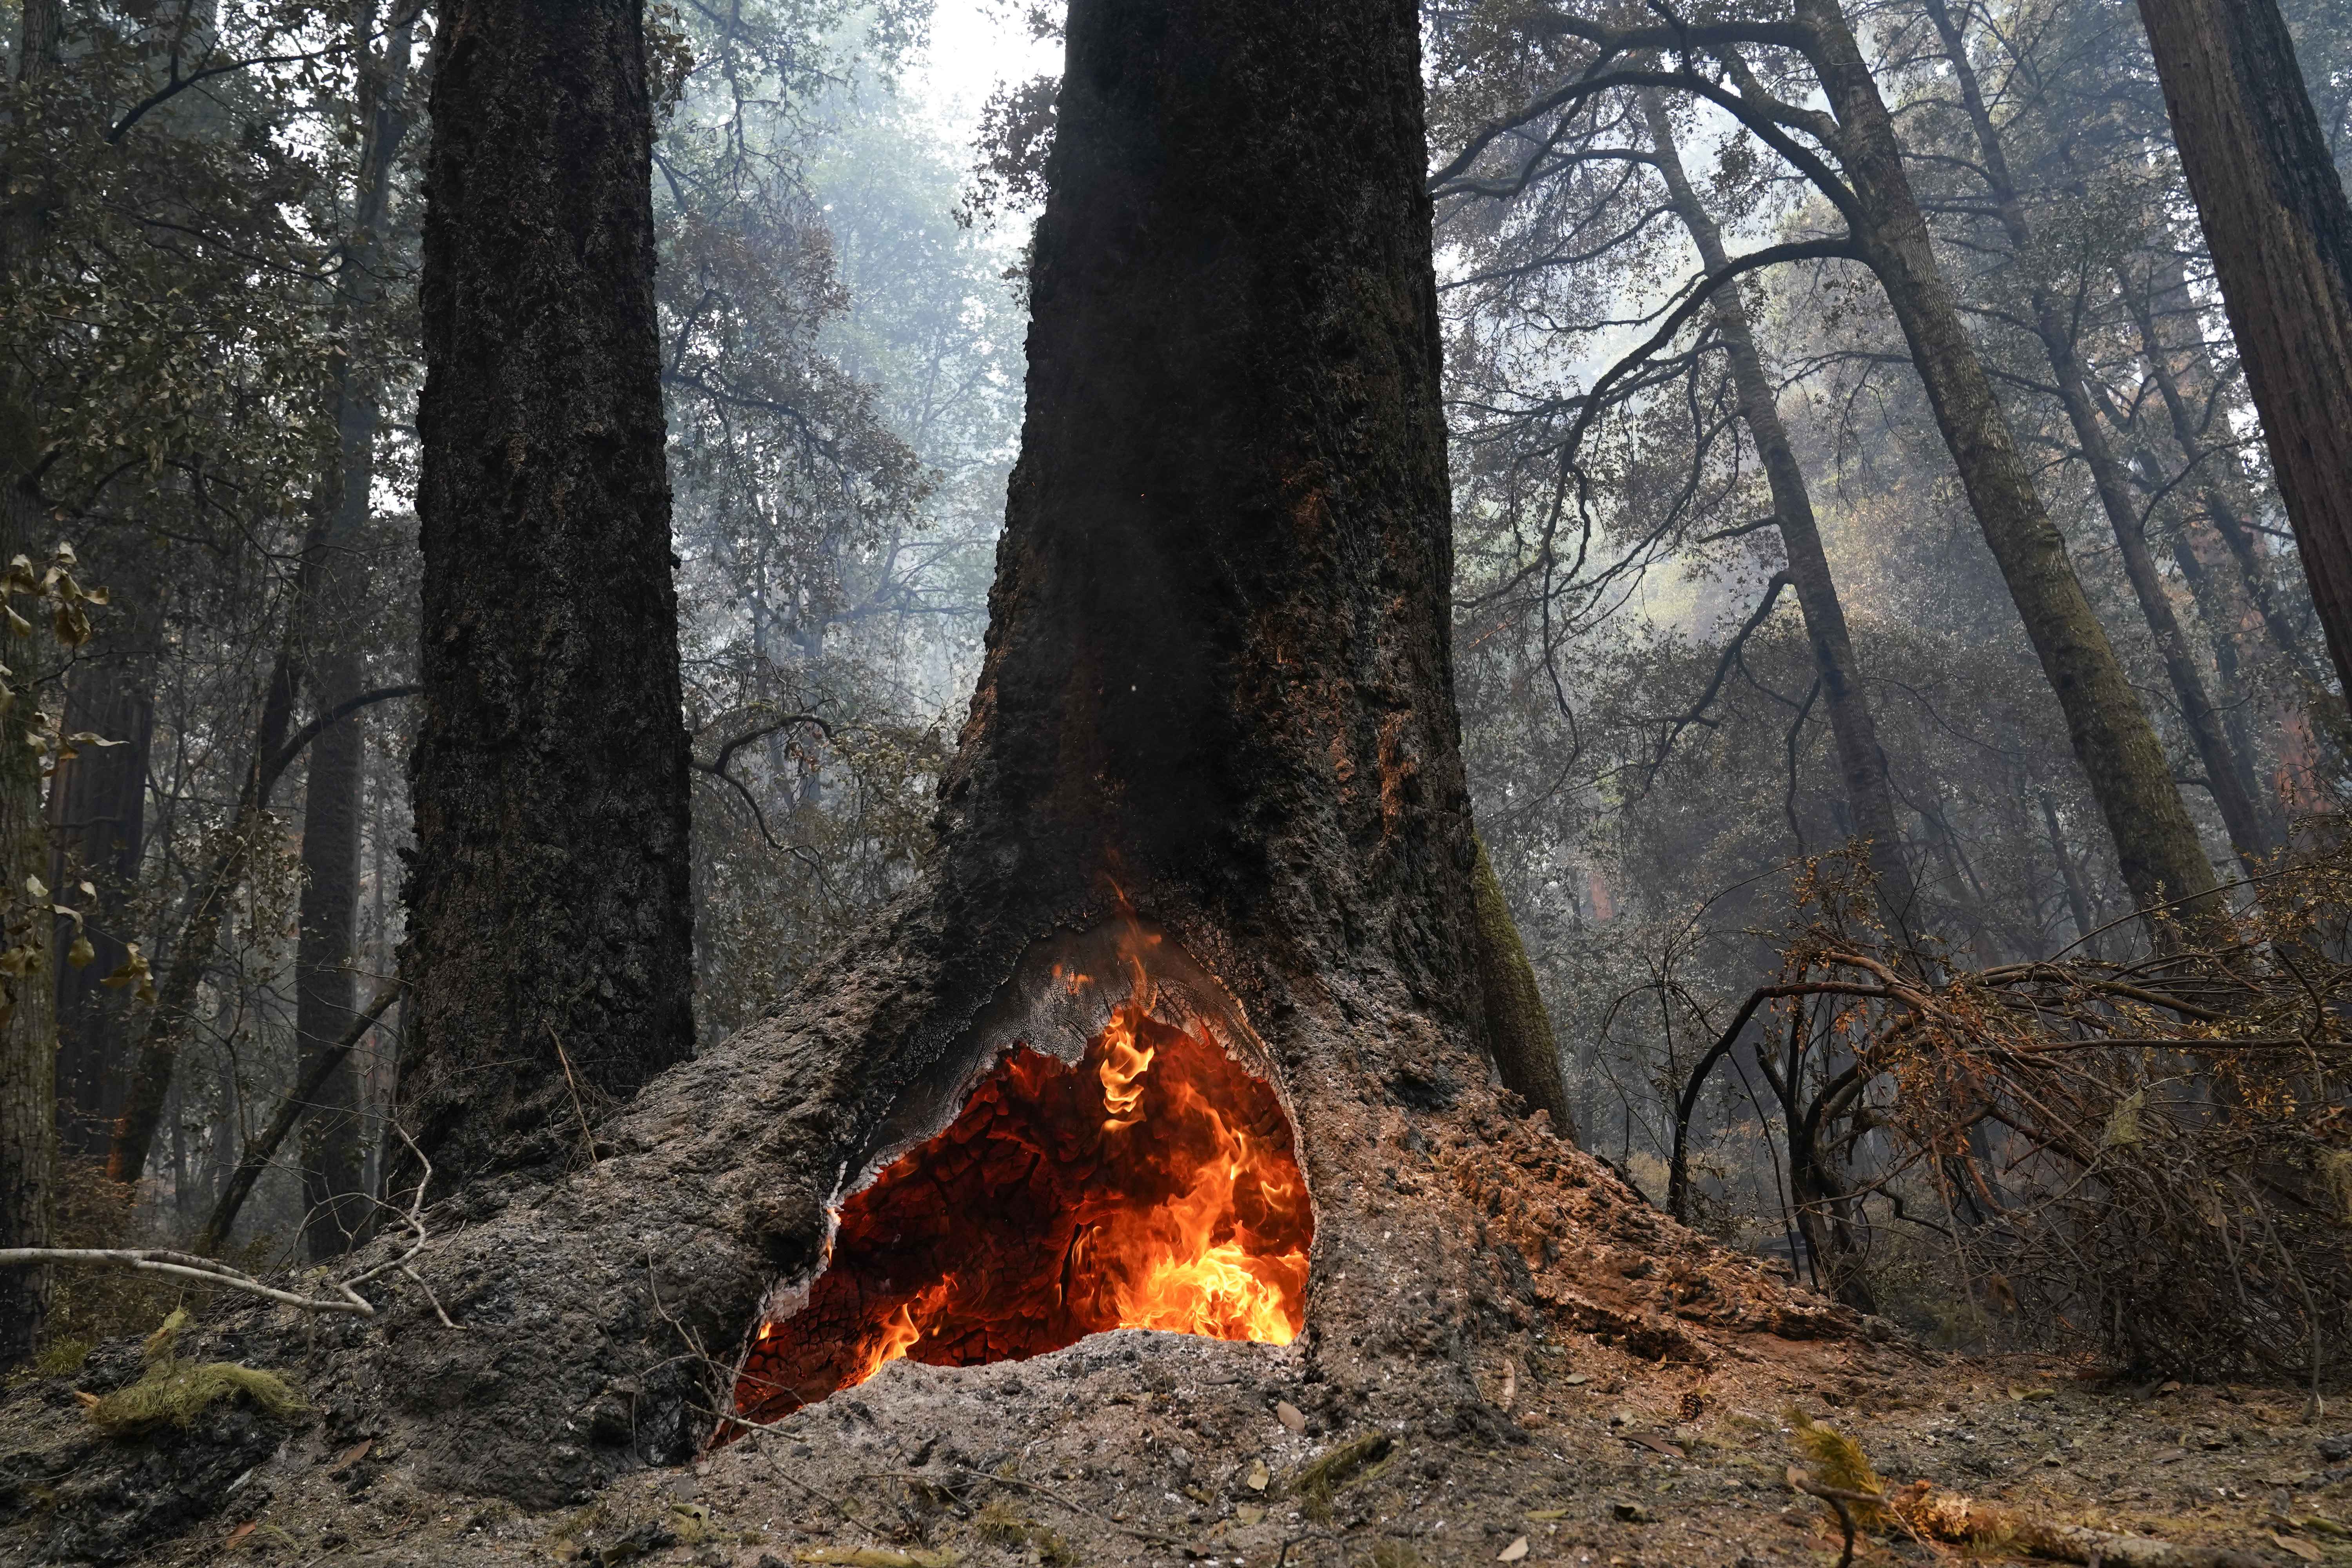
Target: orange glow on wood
<point x="1153" y="1187"/>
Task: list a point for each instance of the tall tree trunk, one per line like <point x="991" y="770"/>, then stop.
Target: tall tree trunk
<point x="335" y="1206"/>
<point x="2253" y="831"/>
<point x="2155" y="843"/>
<point x="1862" y="762"/>
<point x="28" y="1039"/>
<point x="97" y="816"/>
<point x="2279" y="228"/>
<point x="548" y="940"/>
<point x="332" y="1156"/>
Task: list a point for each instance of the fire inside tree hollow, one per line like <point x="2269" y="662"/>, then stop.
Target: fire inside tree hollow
<point x="1154" y="1186"/>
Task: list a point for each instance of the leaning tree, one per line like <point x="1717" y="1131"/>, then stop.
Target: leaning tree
<point x="1208" y="812"/>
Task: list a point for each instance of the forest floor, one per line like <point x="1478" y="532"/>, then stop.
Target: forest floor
<point x="1147" y="1448"/>
<point x="1613" y="1390"/>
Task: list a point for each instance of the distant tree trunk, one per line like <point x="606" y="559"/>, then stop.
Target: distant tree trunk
<point x="97" y="816"/>
<point x="2280" y="232"/>
<point x="2163" y="864"/>
<point x="148" y="1089"/>
<point x="2253" y="831"/>
<point x="333" y="1158"/>
<point x="29" y="1037"/>
<point x="335" y="1208"/>
<point x="548" y="940"/>
<point x="1862" y="762"/>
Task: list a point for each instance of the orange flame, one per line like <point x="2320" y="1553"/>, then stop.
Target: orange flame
<point x="1154" y="1187"/>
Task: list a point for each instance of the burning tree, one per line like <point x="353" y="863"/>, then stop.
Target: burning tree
<point x="1191" y="1021"/>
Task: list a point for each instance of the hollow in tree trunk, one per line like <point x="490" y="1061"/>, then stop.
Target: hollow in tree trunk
<point x="1215" y="721"/>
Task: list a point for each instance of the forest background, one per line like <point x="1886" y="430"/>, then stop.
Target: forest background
<point x="1724" y="605"/>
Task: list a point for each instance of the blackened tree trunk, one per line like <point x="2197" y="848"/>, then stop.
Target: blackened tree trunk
<point x="1217" y="689"/>
<point x="548" y="953"/>
<point x="2280" y="231"/>
<point x="2155" y="843"/>
<point x="2253" y="832"/>
<point x="1861" y="761"/>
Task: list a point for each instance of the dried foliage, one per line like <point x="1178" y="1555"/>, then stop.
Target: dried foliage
<point x="2144" y="1156"/>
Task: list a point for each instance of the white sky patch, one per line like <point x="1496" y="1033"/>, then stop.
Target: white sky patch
<point x="977" y="46"/>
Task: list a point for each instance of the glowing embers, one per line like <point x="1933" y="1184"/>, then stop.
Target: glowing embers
<point x="1152" y="1186"/>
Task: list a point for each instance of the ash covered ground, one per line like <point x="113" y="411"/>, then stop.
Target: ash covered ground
<point x="1615" y="1391"/>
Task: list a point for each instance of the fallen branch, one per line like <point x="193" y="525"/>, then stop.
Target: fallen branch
<point x="212" y="1272"/>
<point x="182" y="1265"/>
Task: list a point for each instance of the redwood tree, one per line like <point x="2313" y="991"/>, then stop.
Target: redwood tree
<point x="2280" y="231"/>
<point x="1217" y="689"/>
<point x="548" y="958"/>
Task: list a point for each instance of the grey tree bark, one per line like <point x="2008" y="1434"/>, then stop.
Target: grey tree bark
<point x="29" y="1101"/>
<point x="2155" y="842"/>
<point x="2253" y="831"/>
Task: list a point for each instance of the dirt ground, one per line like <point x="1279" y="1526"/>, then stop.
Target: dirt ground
<point x="1607" y="1389"/>
<point x="1145" y="1449"/>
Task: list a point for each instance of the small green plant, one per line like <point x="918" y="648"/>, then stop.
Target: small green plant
<point x="177" y="1391"/>
<point x="1838" y="1461"/>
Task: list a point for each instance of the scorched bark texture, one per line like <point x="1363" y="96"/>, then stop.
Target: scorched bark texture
<point x="548" y="920"/>
<point x="1217" y="686"/>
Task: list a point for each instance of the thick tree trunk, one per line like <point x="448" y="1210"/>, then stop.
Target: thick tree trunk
<point x="2253" y="832"/>
<point x="1217" y="690"/>
<point x="2155" y="843"/>
<point x="1862" y="762"/>
<point x="2279" y="228"/>
<point x="549" y="938"/>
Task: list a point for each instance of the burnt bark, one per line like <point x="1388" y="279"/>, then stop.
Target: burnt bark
<point x="548" y="925"/>
<point x="1862" y="760"/>
<point x="2279" y="228"/>
<point x="2155" y="843"/>
<point x="2253" y="831"/>
<point x="1217" y="690"/>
